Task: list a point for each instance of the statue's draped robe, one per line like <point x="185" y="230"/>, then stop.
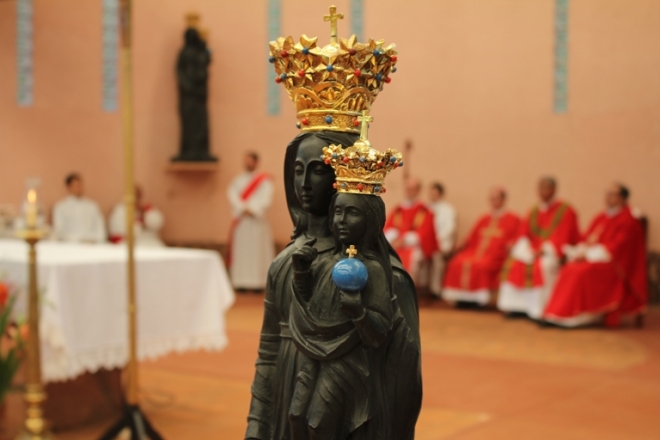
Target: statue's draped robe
<point x="279" y="360"/>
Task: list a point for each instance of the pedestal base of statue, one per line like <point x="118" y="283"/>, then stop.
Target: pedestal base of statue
<point x="135" y="421"/>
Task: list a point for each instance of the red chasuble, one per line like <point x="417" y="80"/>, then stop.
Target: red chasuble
<point x="558" y="225"/>
<point x="479" y="264"/>
<point x="616" y="287"/>
<point x="416" y="218"/>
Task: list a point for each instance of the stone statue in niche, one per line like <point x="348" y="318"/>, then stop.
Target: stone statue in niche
<point x="192" y="80"/>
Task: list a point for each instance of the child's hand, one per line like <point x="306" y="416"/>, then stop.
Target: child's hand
<point x="303" y="257"/>
<point x="351" y="304"/>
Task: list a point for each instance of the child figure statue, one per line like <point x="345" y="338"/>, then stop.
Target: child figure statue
<point x="342" y="311"/>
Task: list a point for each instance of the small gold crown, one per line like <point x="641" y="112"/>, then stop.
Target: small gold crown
<point x="361" y="169"/>
<point x="332" y="85"/>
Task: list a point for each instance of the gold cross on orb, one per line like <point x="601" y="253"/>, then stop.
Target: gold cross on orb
<point x="351" y="251"/>
<point x="365" y="119"/>
<point x="333" y="18"/>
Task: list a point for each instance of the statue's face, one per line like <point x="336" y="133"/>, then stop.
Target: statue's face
<point x="349" y="221"/>
<point x="313" y="178"/>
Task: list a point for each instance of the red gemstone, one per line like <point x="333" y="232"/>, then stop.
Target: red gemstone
<point x="394" y="58"/>
<point x="305" y="121"/>
<point x="334" y="185"/>
<point x="327" y="161"/>
<point x="396" y="165"/>
<point x="284" y="54"/>
<point x="382" y="191"/>
<point x="380" y="164"/>
<point x="357" y="72"/>
<point x="278" y="79"/>
<point x="360" y="187"/>
<point x="356" y="123"/>
<point x="346" y="160"/>
<point x="388" y="80"/>
<point x="301" y="73"/>
<point x="352" y="51"/>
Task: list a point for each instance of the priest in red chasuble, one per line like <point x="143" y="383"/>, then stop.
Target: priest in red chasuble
<point x="605" y="278"/>
<point x="530" y="272"/>
<point x="410" y="230"/>
<point x="474" y="272"/>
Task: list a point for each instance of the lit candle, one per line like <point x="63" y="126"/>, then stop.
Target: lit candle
<point x="31" y="211"/>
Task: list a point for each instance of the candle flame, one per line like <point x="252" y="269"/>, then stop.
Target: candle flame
<point x="32" y="196"/>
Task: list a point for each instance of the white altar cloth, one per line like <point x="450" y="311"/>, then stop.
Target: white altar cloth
<point x="182" y="296"/>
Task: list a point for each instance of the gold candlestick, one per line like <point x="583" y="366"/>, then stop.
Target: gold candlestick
<point x="35" y="426"/>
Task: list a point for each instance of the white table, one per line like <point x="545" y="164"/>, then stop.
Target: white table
<point x="182" y="296"/>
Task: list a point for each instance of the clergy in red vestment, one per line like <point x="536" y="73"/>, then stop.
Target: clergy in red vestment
<point x="606" y="274"/>
<point x="474" y="272"/>
<point x="410" y="230"/>
<point x="530" y="272"/>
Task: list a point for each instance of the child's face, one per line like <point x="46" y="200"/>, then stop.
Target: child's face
<point x="349" y="220"/>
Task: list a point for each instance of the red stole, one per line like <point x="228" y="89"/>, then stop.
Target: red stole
<point x="247" y="192"/>
<point x="417" y="218"/>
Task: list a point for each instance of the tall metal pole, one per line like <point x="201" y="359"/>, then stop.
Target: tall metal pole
<point x="129" y="194"/>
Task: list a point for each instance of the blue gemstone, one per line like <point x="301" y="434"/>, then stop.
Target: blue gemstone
<point x="343" y="185"/>
<point x="298" y="125"/>
<point x="330" y="68"/>
<point x="305" y="51"/>
<point x="379" y="77"/>
<point x="376" y="52"/>
<point x="271" y="59"/>
<point x="334" y="155"/>
<point x="401" y="163"/>
<point x="350" y="274"/>
<point x="394" y="69"/>
<point x="328" y="119"/>
<point x="322" y="156"/>
<point x="363" y="159"/>
<point x="392" y="159"/>
<point x="376" y="188"/>
<point x="283" y="76"/>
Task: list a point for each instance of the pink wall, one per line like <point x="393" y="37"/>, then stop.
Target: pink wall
<point x="474" y="92"/>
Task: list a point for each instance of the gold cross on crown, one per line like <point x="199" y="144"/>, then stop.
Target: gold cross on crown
<point x="351" y="251"/>
<point x="333" y="18"/>
<point x="365" y="119"/>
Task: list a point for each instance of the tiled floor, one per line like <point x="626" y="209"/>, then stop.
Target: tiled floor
<point x="484" y="377"/>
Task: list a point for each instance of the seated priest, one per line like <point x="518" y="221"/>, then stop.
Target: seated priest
<point x="148" y="222"/>
<point x="445" y="222"/>
<point x="410" y="230"/>
<point x="605" y="277"/>
<point x="474" y="272"/>
<point x="530" y="272"/>
<point x="77" y="218"/>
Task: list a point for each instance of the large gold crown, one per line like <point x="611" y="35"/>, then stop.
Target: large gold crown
<point x="332" y="85"/>
<point x="361" y="169"/>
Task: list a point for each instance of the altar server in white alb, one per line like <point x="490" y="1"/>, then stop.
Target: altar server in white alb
<point x="251" y="248"/>
<point x="446" y="225"/>
<point x="148" y="223"/>
<point x="77" y="218"/>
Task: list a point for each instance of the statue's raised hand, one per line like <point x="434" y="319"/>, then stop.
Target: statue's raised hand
<point x="303" y="257"/>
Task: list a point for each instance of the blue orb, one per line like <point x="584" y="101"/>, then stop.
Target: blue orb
<point x="305" y="50"/>
<point x="350" y="274"/>
<point x="328" y="119"/>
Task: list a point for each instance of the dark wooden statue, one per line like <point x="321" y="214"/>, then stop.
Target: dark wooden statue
<point x="192" y="79"/>
<point x="334" y="364"/>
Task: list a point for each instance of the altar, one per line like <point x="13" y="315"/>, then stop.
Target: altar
<point x="182" y="296"/>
